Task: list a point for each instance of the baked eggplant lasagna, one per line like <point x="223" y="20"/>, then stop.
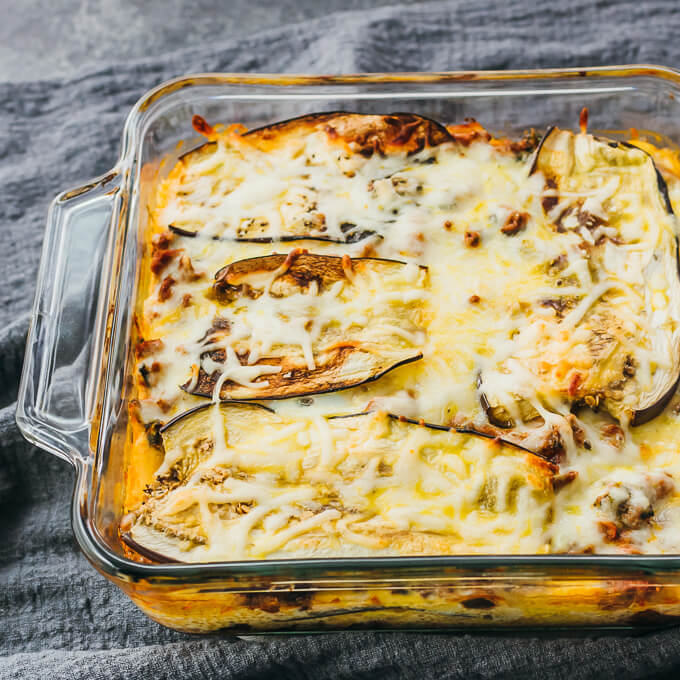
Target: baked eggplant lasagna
<point x="365" y="335"/>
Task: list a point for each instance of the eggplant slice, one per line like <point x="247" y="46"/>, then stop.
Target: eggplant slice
<point x="611" y="196"/>
<point x="208" y="499"/>
<point x="290" y="202"/>
<point x="353" y="344"/>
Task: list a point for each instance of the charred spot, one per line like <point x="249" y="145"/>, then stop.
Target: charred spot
<point x="169" y="480"/>
<point x="304" y="277"/>
<point x="629" y="367"/>
<point x="183" y="232"/>
<point x="558" y="264"/>
<point x="419" y="146"/>
<point x="478" y="603"/>
<point x="144" y="372"/>
<point x="528" y="143"/>
<point x="352" y="236"/>
<point x="164" y="405"/>
<point x="153" y="434"/>
<point x="552" y="447"/>
<point x="560" y="305"/>
<point x="225" y="292"/>
<point x="272" y="602"/>
<point x="560" y="481"/>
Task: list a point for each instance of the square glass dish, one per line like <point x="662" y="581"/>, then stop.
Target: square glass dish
<point x="76" y="378"/>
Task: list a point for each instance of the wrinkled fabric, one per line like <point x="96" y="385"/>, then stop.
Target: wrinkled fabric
<point x="59" y="618"/>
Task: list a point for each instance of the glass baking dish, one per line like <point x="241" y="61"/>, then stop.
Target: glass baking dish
<point x="76" y="372"/>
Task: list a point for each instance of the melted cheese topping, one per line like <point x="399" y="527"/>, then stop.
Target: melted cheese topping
<point x="510" y="314"/>
<point x="345" y="486"/>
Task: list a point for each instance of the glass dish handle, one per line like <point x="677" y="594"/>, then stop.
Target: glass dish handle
<point x="58" y="386"/>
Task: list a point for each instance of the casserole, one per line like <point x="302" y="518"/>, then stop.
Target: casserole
<point x="77" y="375"/>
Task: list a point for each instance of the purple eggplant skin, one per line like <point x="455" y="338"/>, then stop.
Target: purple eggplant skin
<point x="305" y="391"/>
<point x="146" y="552"/>
<point x="491" y="416"/>
<point x="468" y="430"/>
<point x="280" y="125"/>
<point x="188" y="412"/>
<point x="449" y="428"/>
<point x="660" y="181"/>
<point x="196" y="149"/>
<point x="488" y="410"/>
<point x="646" y="414"/>
<point x="411" y="421"/>
<point x="352" y="238"/>
<point x="276" y="259"/>
<point x="534" y="162"/>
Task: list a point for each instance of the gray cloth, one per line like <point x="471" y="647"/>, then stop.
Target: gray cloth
<point x="60" y="619"/>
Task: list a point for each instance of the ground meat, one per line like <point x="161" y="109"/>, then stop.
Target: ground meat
<point x="472" y="239"/>
<point x="560" y="481"/>
<point x="165" y="290"/>
<point x="187" y="270"/>
<point x="161" y="259"/>
<point x="515" y="223"/>
<point x="629" y="503"/>
<point x="146" y="347"/>
<point x="549" y="202"/>
<point x="162" y="241"/>
<point x="613" y="434"/>
<point x="578" y="432"/>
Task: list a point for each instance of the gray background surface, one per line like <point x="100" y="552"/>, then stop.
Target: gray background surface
<point x="42" y="39"/>
<point x="69" y="73"/>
